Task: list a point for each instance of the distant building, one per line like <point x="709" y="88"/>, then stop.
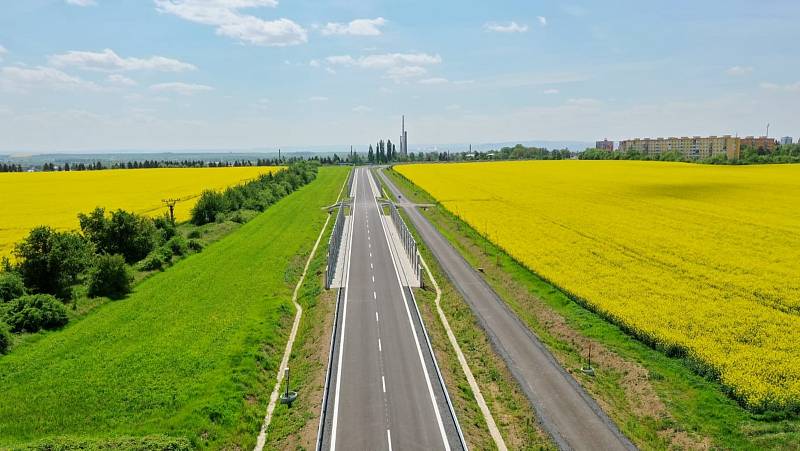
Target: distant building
<point x="689" y="147"/>
<point x="786" y="141"/>
<point x="403" y="139"/>
<point x="762" y="143"/>
<point x="604" y="145"/>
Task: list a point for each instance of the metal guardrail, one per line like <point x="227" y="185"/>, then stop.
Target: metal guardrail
<point x="334" y="244"/>
<point x="409" y="243"/>
<point x="335" y="241"/>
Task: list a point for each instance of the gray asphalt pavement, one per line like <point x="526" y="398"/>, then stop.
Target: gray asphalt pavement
<point x="384" y="391"/>
<point x="568" y="413"/>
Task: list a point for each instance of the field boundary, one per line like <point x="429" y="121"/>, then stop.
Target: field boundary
<point x="262" y="435"/>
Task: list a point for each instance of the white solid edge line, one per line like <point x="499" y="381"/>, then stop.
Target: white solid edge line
<point x="344" y="323"/>
<point x="262" y="434"/>
<point x="414" y="333"/>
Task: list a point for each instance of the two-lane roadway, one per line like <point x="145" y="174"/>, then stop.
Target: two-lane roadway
<point x="385" y="391"/>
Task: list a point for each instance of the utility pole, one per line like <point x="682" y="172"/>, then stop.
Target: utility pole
<point x="767" y="135"/>
<point x="170" y="203"/>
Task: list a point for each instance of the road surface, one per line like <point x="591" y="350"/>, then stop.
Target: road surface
<point x="569" y="415"/>
<point x="385" y="391"/>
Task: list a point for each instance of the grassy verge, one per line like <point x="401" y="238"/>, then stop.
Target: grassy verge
<point x="509" y="406"/>
<point x="296" y="427"/>
<point x="191" y="353"/>
<point x="657" y="401"/>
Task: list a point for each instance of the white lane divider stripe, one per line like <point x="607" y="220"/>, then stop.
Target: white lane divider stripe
<point x="383" y="382"/>
<point x="389" y="438"/>
<point x="379" y="345"/>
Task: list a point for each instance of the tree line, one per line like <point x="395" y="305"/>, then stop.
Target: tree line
<point x="51" y="268"/>
<point x="154" y="164"/>
<point x="10" y="167"/>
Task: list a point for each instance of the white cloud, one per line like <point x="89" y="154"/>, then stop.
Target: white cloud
<point x="229" y="22"/>
<point x="405" y="72"/>
<point x="584" y="102"/>
<point x="24" y="78"/>
<point x="330" y="71"/>
<point x="739" y="70"/>
<point x="551" y="91"/>
<point x="109" y="61"/>
<point x="511" y="27"/>
<point x="357" y="27"/>
<point x="317" y="99"/>
<point x="434" y="81"/>
<point x="453" y="107"/>
<point x="362" y="109"/>
<point x="542" y="20"/>
<point x="185" y="89"/>
<point x="397" y="66"/>
<point x="386" y="60"/>
<point x="121" y="80"/>
<point x="3" y="52"/>
<point x="82" y="2"/>
<point x="791" y="87"/>
<point x="313" y="63"/>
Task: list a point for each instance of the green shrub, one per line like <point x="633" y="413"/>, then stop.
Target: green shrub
<point x="153" y="262"/>
<point x="33" y="312"/>
<point x="134" y="236"/>
<point x="208" y="207"/>
<point x="165" y="226"/>
<point x="177" y="245"/>
<point x="11" y="286"/>
<point x="195" y="234"/>
<point x="195" y="246"/>
<point x="5" y="338"/>
<point x="50" y="261"/>
<point x="166" y="254"/>
<point x="110" y="277"/>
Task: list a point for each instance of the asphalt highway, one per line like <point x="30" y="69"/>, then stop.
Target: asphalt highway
<point x="385" y="392"/>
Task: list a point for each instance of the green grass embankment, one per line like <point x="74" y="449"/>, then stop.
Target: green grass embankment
<point x="191" y="353"/>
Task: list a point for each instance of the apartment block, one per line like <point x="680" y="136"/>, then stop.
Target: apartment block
<point x="762" y="143"/>
<point x="605" y="145"/>
<point x="787" y="141"/>
<point x="690" y="147"/>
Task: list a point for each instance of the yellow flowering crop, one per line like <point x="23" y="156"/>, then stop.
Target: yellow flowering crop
<point x="55" y="198"/>
<point x="696" y="258"/>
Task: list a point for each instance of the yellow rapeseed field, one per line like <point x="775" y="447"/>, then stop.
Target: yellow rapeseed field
<point x="56" y="198"/>
<point x="696" y="258"/>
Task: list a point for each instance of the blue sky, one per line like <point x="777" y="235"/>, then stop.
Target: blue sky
<point x="86" y="75"/>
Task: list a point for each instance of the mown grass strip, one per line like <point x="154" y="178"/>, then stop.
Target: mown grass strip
<point x="191" y="353"/>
